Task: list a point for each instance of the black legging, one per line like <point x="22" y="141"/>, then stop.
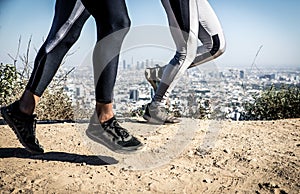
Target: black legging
<point x="70" y="16"/>
<point x="112" y="25"/>
<point x="191" y="21"/>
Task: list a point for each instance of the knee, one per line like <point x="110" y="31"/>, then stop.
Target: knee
<point x="121" y="23"/>
<point x="116" y="28"/>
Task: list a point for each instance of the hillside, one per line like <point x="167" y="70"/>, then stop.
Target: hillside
<point x="196" y="156"/>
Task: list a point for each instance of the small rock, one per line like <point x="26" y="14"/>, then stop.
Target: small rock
<point x="274" y="185"/>
<point x="207" y="180"/>
<point x="226" y="151"/>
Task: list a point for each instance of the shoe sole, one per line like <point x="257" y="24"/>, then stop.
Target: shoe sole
<point x="151" y="120"/>
<point x="10" y="123"/>
<point x="115" y="148"/>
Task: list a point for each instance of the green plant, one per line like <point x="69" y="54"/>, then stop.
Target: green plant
<point x="274" y="104"/>
<point x="55" y="104"/>
<point x="10" y="84"/>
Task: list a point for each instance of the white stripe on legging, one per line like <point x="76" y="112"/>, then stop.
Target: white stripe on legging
<point x="170" y="77"/>
<point x="62" y="32"/>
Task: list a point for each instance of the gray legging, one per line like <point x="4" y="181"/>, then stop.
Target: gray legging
<point x="110" y="15"/>
<point x="190" y="21"/>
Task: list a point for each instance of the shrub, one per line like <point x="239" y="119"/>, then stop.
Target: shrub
<point x="274" y="104"/>
<point x="10" y="84"/>
<point x="54" y="105"/>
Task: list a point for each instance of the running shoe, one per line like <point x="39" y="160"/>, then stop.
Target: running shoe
<point x="113" y="136"/>
<point x="23" y="126"/>
<point x="154" y="75"/>
<point x="158" y="114"/>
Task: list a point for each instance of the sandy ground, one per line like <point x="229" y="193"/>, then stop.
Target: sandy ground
<point x="196" y="156"/>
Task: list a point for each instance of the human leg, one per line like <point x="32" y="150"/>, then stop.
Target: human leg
<point x="210" y="34"/>
<point x="67" y="24"/>
<point x="113" y="23"/>
<point x="68" y="21"/>
<point x="184" y="30"/>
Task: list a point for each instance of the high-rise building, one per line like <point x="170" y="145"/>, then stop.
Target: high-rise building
<point x="77" y="91"/>
<point x="242" y="74"/>
<point x="142" y="65"/>
<point x="152" y="92"/>
<point x="124" y="64"/>
<point x="134" y="95"/>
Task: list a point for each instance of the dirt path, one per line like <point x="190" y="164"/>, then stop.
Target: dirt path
<point x="193" y="157"/>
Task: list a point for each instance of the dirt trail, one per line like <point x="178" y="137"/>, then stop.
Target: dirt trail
<point x="195" y="156"/>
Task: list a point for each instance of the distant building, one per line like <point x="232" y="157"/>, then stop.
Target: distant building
<point x="142" y="65"/>
<point x="221" y="75"/>
<point x="124" y="64"/>
<point x="272" y="76"/>
<point x="242" y="74"/>
<point x="77" y="91"/>
<point x="268" y="76"/>
<point x="134" y="95"/>
<point x="152" y="92"/>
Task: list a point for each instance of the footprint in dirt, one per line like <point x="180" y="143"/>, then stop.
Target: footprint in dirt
<point x="270" y="187"/>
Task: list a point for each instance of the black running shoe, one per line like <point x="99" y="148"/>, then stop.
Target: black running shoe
<point x="113" y="136"/>
<point x="24" y="127"/>
<point x="157" y="114"/>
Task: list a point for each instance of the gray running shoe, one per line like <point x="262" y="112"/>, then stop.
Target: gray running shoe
<point x="113" y="136"/>
<point x="24" y="127"/>
<point x="157" y="114"/>
<point x="154" y="75"/>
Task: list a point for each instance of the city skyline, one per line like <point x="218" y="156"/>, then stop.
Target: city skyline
<point x="226" y="91"/>
<point x="247" y="25"/>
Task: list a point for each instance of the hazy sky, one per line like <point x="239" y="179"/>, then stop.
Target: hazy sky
<point x="247" y="24"/>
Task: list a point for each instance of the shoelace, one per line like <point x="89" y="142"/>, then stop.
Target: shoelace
<point x="120" y="130"/>
<point x="161" y="111"/>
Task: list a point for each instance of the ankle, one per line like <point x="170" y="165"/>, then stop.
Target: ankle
<point x="26" y="111"/>
<point x="157" y="103"/>
<point x="104" y="111"/>
<point x="26" y="108"/>
<point x="105" y="117"/>
<point x="28" y="102"/>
